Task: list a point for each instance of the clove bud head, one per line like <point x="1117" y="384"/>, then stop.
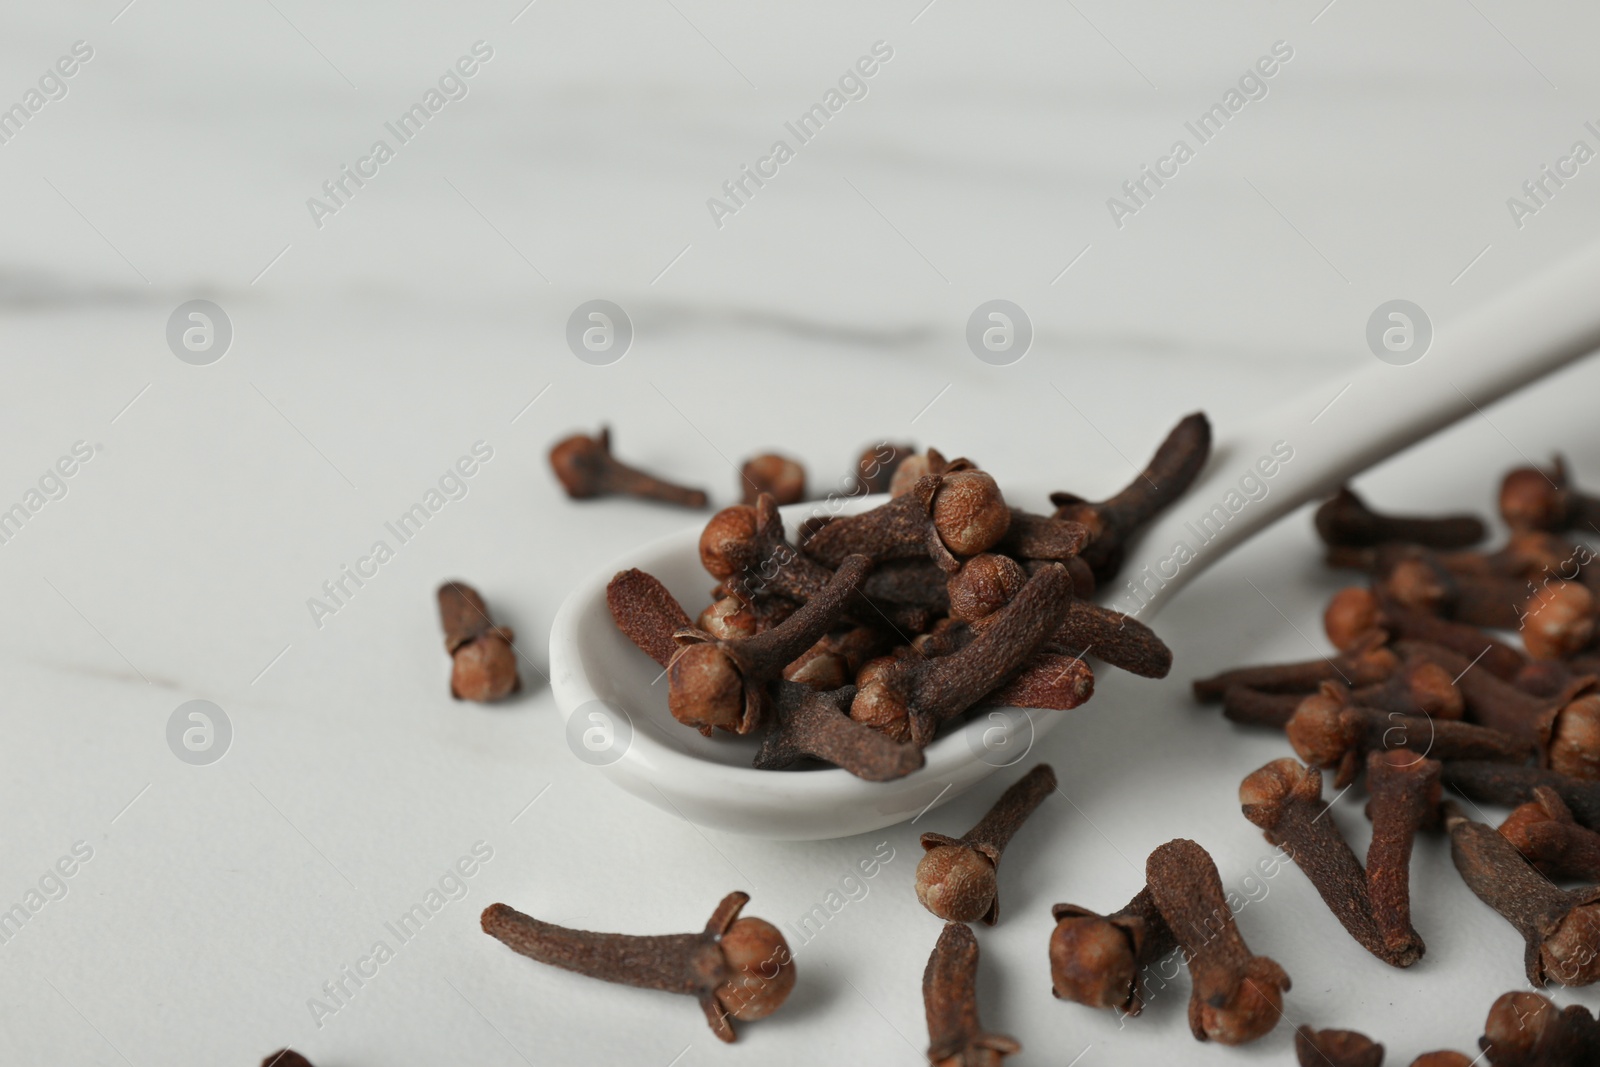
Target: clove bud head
<point x="1531" y="500"/>
<point x="1092" y="962"/>
<point x="724" y="543"/>
<point x="705" y="689"/>
<point x="1569" y="955"/>
<point x="1353" y="611"/>
<point x="1516" y="1023"/>
<point x="1575" y="742"/>
<point x="969" y="512"/>
<point x="1265" y="790"/>
<point x="485" y="669"/>
<point x="1320" y="731"/>
<point x="1560" y="621"/>
<point x="752" y="948"/>
<point x="771" y="473"/>
<point x="984" y="585"/>
<point x="956" y="883"/>
<point x="1251" y="1009"/>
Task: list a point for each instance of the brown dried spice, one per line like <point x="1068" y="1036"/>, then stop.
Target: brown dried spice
<point x="724" y="967"/>
<point x="957" y="878"/>
<point x="950" y="998"/>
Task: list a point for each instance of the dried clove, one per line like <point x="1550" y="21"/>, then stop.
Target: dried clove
<point x="1353" y="613"/>
<point x="719" y="683"/>
<point x="1031" y="536"/>
<point x="483" y="659"/>
<point x="286" y="1057"/>
<point x="1114" y="522"/>
<point x="586" y="469"/>
<point x="911" y="698"/>
<point x="1548" y="837"/>
<point x="1284" y="799"/>
<point x="918" y="465"/>
<point x="1532" y="499"/>
<point x="1419" y="687"/>
<point x="1422" y="582"/>
<point x="1525" y="1029"/>
<point x="1404" y="800"/>
<point x="1251" y="707"/>
<point x="950" y="998"/>
<point x="876" y="466"/>
<point x="957" y="878"/>
<point x="959" y="513"/>
<point x="836" y="657"/>
<point x="1347" y="521"/>
<point x="1236" y="997"/>
<point x="725" y="967"/>
<point x="1562" y="929"/>
<point x="1367" y="664"/>
<point x="784" y="478"/>
<point x="987" y="582"/>
<point x="810" y="723"/>
<point x="1559" y="621"/>
<point x="744" y="546"/>
<point x="646" y="613"/>
<point x="1502" y="783"/>
<point x="1329" y="730"/>
<point x="1100" y="960"/>
<point x="1564" y="727"/>
<point x="1336" y="1048"/>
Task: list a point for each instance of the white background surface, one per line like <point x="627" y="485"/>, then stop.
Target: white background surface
<point x="827" y="314"/>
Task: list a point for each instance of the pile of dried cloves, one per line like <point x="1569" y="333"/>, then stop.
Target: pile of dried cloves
<point x="857" y="643"/>
<point x="1428" y="689"/>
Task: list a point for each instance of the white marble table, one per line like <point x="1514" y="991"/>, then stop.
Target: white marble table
<point x="427" y="314"/>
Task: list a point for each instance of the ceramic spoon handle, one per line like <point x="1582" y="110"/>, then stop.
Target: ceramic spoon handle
<point x="1315" y="443"/>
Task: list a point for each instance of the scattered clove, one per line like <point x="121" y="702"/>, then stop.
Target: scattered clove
<point x="1284" y="799"/>
<point x="286" y="1057"/>
<point x="1367" y="664"/>
<point x="1100" y="960"/>
<point x="1501" y="783"/>
<point x="1329" y="730"/>
<point x="1353" y="613"/>
<point x="1113" y="523"/>
<point x="1525" y="1029"/>
<point x="1236" y="997"/>
<point x="1345" y="520"/>
<point x="957" y="878"/>
<point x="950" y="997"/>
<point x="1562" y="929"/>
<point x="1559" y="621"/>
<point x="586" y="469"/>
<point x="1565" y="727"/>
<point x="483" y="659"/>
<point x="1548" y="837"/>
<point x="725" y="967"/>
<point x="784" y="478"/>
<point x="1532" y="499"/>
<point x="1336" y="1048"/>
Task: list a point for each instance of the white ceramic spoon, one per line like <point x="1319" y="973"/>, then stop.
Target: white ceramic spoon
<point x="615" y="702"/>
